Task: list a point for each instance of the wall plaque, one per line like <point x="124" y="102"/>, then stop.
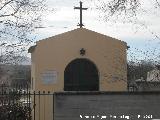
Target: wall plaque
<point x="49" y="77"/>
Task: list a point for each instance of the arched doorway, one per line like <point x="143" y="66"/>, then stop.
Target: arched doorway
<point x="81" y="75"/>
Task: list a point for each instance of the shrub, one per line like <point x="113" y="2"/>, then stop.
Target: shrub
<point x="15" y="112"/>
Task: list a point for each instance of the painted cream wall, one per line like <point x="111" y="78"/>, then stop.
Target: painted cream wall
<point x="55" y="53"/>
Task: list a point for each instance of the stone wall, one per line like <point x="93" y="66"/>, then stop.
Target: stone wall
<point x="107" y="106"/>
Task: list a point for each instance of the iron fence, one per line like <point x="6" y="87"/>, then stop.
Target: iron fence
<point x="23" y="104"/>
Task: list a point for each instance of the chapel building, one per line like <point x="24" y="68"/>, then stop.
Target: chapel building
<point x="79" y="60"/>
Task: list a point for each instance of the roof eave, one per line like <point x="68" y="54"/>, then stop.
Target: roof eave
<point x="31" y="49"/>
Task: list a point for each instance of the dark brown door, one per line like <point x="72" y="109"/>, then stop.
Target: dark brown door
<point x="81" y="75"/>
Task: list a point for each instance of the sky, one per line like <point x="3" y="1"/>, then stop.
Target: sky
<point x="141" y="36"/>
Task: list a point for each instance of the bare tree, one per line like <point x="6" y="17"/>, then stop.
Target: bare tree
<point x="128" y="11"/>
<point x="131" y="11"/>
<point x="126" y="8"/>
<point x="18" y="18"/>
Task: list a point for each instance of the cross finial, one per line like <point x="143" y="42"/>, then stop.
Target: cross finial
<point x="80" y="8"/>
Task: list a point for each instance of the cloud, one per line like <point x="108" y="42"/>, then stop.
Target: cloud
<point x="138" y="34"/>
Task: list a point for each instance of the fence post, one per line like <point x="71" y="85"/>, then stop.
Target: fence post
<point x="53" y="106"/>
<point x="29" y="105"/>
<point x="27" y="96"/>
<point x="39" y="104"/>
<point x="44" y="104"/>
<point x="2" y="95"/>
<point x="34" y="107"/>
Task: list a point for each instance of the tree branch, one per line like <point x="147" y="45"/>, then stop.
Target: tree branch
<point x="12" y="14"/>
<point x="158" y="3"/>
<point x="6" y="4"/>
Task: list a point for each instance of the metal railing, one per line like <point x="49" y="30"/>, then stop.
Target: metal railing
<point x="24" y="104"/>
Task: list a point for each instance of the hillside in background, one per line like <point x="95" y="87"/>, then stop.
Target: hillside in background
<point x="15" y="75"/>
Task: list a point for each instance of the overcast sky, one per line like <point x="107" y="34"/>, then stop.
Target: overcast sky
<point x="139" y="38"/>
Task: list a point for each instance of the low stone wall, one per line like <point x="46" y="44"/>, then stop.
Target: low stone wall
<point x="107" y="106"/>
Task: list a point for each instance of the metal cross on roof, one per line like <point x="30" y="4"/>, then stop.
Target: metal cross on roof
<point x="80" y="8"/>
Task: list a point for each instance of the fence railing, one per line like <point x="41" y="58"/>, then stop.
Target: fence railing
<point x="21" y="103"/>
<point x="24" y="104"/>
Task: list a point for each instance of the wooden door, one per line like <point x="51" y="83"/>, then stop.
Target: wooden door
<point x="81" y="75"/>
